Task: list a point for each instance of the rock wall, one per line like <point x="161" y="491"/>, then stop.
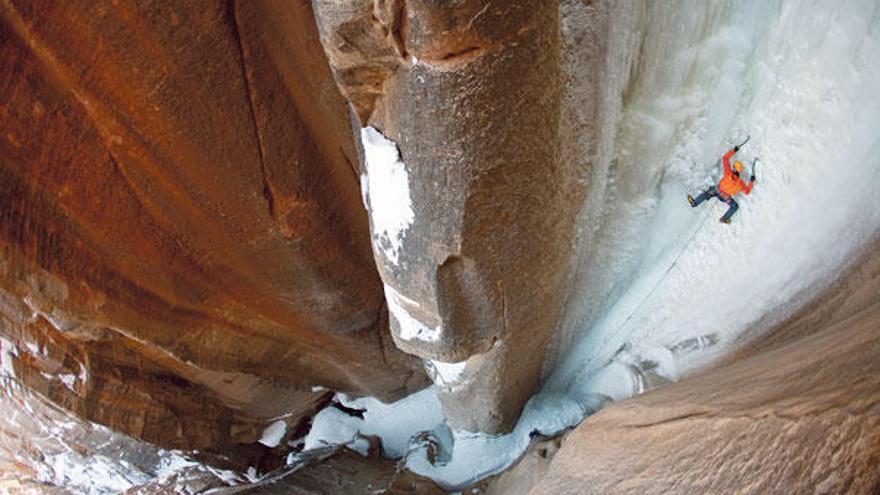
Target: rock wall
<point x="856" y="289"/>
<point x="798" y="419"/>
<point x="183" y="250"/>
<point x="462" y="103"/>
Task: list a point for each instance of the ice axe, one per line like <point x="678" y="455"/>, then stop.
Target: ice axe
<point x="755" y="168"/>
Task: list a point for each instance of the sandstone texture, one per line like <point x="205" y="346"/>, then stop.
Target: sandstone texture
<point x="470" y="95"/>
<point x="856" y="289"/>
<point x="183" y="249"/>
<point x="802" y="418"/>
<point x="526" y="474"/>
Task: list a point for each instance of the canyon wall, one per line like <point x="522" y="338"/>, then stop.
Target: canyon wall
<point x="797" y="419"/>
<point x="212" y="215"/>
<point x="183" y="249"/>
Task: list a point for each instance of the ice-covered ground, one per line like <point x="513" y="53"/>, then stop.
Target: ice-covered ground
<point x="664" y="289"/>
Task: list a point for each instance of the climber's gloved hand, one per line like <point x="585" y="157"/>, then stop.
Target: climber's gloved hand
<point x="753" y="178"/>
<point x="736" y="148"/>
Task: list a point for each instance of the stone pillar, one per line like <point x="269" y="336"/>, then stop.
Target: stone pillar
<point x="471" y="216"/>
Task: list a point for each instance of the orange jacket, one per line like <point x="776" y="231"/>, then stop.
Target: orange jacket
<point x="730" y="185"/>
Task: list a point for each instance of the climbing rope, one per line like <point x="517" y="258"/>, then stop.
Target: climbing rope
<point x="660" y="281"/>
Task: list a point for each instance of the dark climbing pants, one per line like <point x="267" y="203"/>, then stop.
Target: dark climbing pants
<point x="713" y="193"/>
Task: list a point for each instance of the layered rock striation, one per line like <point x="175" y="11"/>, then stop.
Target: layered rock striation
<point x="804" y="417"/>
<point x="183" y="249"/>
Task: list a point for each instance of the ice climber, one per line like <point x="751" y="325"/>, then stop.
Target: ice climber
<point x="729" y="186"/>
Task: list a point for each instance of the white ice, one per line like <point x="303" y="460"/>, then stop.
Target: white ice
<point x="386" y="191"/>
<point x="96" y="475"/>
<point x="445" y="374"/>
<point x="7" y="351"/>
<point x="273" y="433"/>
<point x="394" y="423"/>
<point x="410" y="327"/>
<point x="68" y="380"/>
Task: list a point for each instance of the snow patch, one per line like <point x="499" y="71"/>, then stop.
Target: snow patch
<point x="7" y="351"/>
<point x="68" y="380"/>
<point x="171" y="464"/>
<point x="394" y="423"/>
<point x="96" y="474"/>
<point x="83" y="373"/>
<point x="331" y="427"/>
<point x="410" y="327"/>
<point x="445" y="373"/>
<point x="387" y="193"/>
<point x="273" y="433"/>
<point x="251" y="474"/>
